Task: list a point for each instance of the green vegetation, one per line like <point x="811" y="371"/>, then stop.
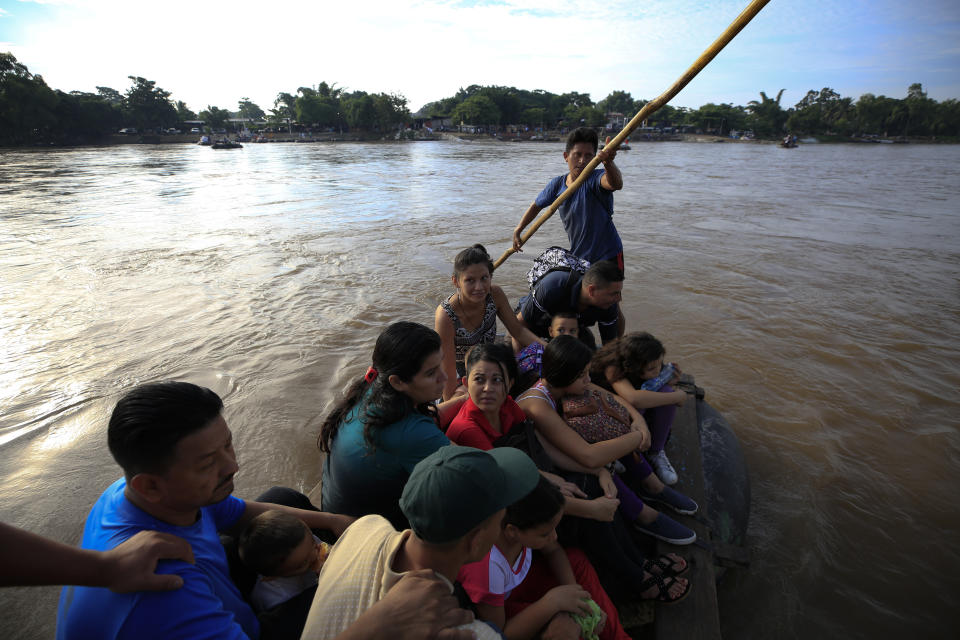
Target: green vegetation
<point x="33" y="113"/>
<point x="819" y="113"/>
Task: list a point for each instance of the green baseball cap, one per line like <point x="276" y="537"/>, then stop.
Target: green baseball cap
<point x="454" y="489"/>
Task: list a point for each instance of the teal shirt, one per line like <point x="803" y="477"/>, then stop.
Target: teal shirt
<point x="358" y="481"/>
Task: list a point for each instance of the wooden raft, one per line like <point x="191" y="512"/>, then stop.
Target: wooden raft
<point x="696" y="617"/>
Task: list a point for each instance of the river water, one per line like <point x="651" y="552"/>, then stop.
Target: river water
<point x="814" y="293"/>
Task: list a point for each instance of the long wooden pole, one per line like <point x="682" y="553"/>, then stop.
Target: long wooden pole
<point x="735" y="27"/>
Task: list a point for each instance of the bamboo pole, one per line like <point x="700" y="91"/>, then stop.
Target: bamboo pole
<point x="705" y="58"/>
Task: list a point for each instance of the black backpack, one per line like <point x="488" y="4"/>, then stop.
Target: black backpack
<point x="555" y="259"/>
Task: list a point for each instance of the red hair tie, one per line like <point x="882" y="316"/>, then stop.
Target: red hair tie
<point x="370" y="375"/>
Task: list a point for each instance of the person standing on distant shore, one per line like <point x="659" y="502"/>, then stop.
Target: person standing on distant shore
<point x="587" y="215"/>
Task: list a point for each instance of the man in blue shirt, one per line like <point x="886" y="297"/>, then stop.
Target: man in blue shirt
<point x="587" y="215"/>
<point x="176" y="452"/>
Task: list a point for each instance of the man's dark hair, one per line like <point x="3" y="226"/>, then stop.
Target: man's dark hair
<point x="603" y="274"/>
<point x="151" y="419"/>
<point x="583" y="134"/>
<point x="269" y="539"/>
<point x="540" y="506"/>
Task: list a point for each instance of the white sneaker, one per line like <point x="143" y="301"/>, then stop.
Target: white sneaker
<point x="663" y="468"/>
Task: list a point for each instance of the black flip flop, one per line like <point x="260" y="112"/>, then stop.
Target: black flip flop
<point x="663" y="584"/>
<point x="665" y="564"/>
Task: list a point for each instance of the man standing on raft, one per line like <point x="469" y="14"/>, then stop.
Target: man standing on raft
<point x="587" y="215"/>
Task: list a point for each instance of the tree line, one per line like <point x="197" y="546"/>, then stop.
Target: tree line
<point x="819" y="113"/>
<point x="31" y="112"/>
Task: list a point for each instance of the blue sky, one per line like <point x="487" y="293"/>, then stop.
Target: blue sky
<point x="211" y="52"/>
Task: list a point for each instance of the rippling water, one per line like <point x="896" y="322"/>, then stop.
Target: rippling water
<point x="814" y="292"/>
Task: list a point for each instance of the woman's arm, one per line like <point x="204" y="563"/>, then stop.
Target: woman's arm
<point x="601" y="509"/>
<point x="575" y="500"/>
<point x="448" y="409"/>
<point x="642" y="399"/>
<point x="561" y="459"/>
<point x="559" y="433"/>
<point x="636" y="420"/>
<point x="517" y="331"/>
<point x="443" y="325"/>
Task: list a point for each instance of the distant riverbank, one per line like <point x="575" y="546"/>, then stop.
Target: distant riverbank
<point x="437" y="136"/>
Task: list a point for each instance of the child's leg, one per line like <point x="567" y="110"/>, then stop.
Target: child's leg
<point x="660" y="421"/>
<point x="587" y="578"/>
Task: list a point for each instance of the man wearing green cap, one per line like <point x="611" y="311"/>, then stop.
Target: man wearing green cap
<point x="454" y="500"/>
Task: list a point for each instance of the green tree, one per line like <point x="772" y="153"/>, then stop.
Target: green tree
<point x="214" y="117"/>
<point x="250" y="110"/>
<point x="585" y="116"/>
<point x="766" y="117"/>
<point x="148" y="106"/>
<point x="110" y="96"/>
<point x="284" y="110"/>
<point x="665" y="116"/>
<point x="312" y="109"/>
<point x="821" y="112"/>
<point x="391" y="110"/>
<point x="439" y="108"/>
<point x="359" y="110"/>
<point x="533" y="117"/>
<point x="872" y="114"/>
<point x="476" y="110"/>
<point x="507" y="101"/>
<point x="85" y="116"/>
<point x="948" y="118"/>
<point x="618" y="102"/>
<point x="27" y="104"/>
<point x="574" y="99"/>
<point x="718" y="118"/>
<point x="183" y="112"/>
<point x="319" y="106"/>
<point x="920" y="111"/>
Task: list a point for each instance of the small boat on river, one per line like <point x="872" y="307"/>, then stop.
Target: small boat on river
<point x="226" y="144"/>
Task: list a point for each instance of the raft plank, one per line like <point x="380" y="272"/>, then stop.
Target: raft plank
<point x="731" y="556"/>
<point x="697" y="616"/>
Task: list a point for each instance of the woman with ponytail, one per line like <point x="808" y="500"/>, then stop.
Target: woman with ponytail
<point x="385" y="424"/>
<point x="469" y="316"/>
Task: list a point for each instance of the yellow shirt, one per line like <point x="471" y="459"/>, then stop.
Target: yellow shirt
<point x="357" y="574"/>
